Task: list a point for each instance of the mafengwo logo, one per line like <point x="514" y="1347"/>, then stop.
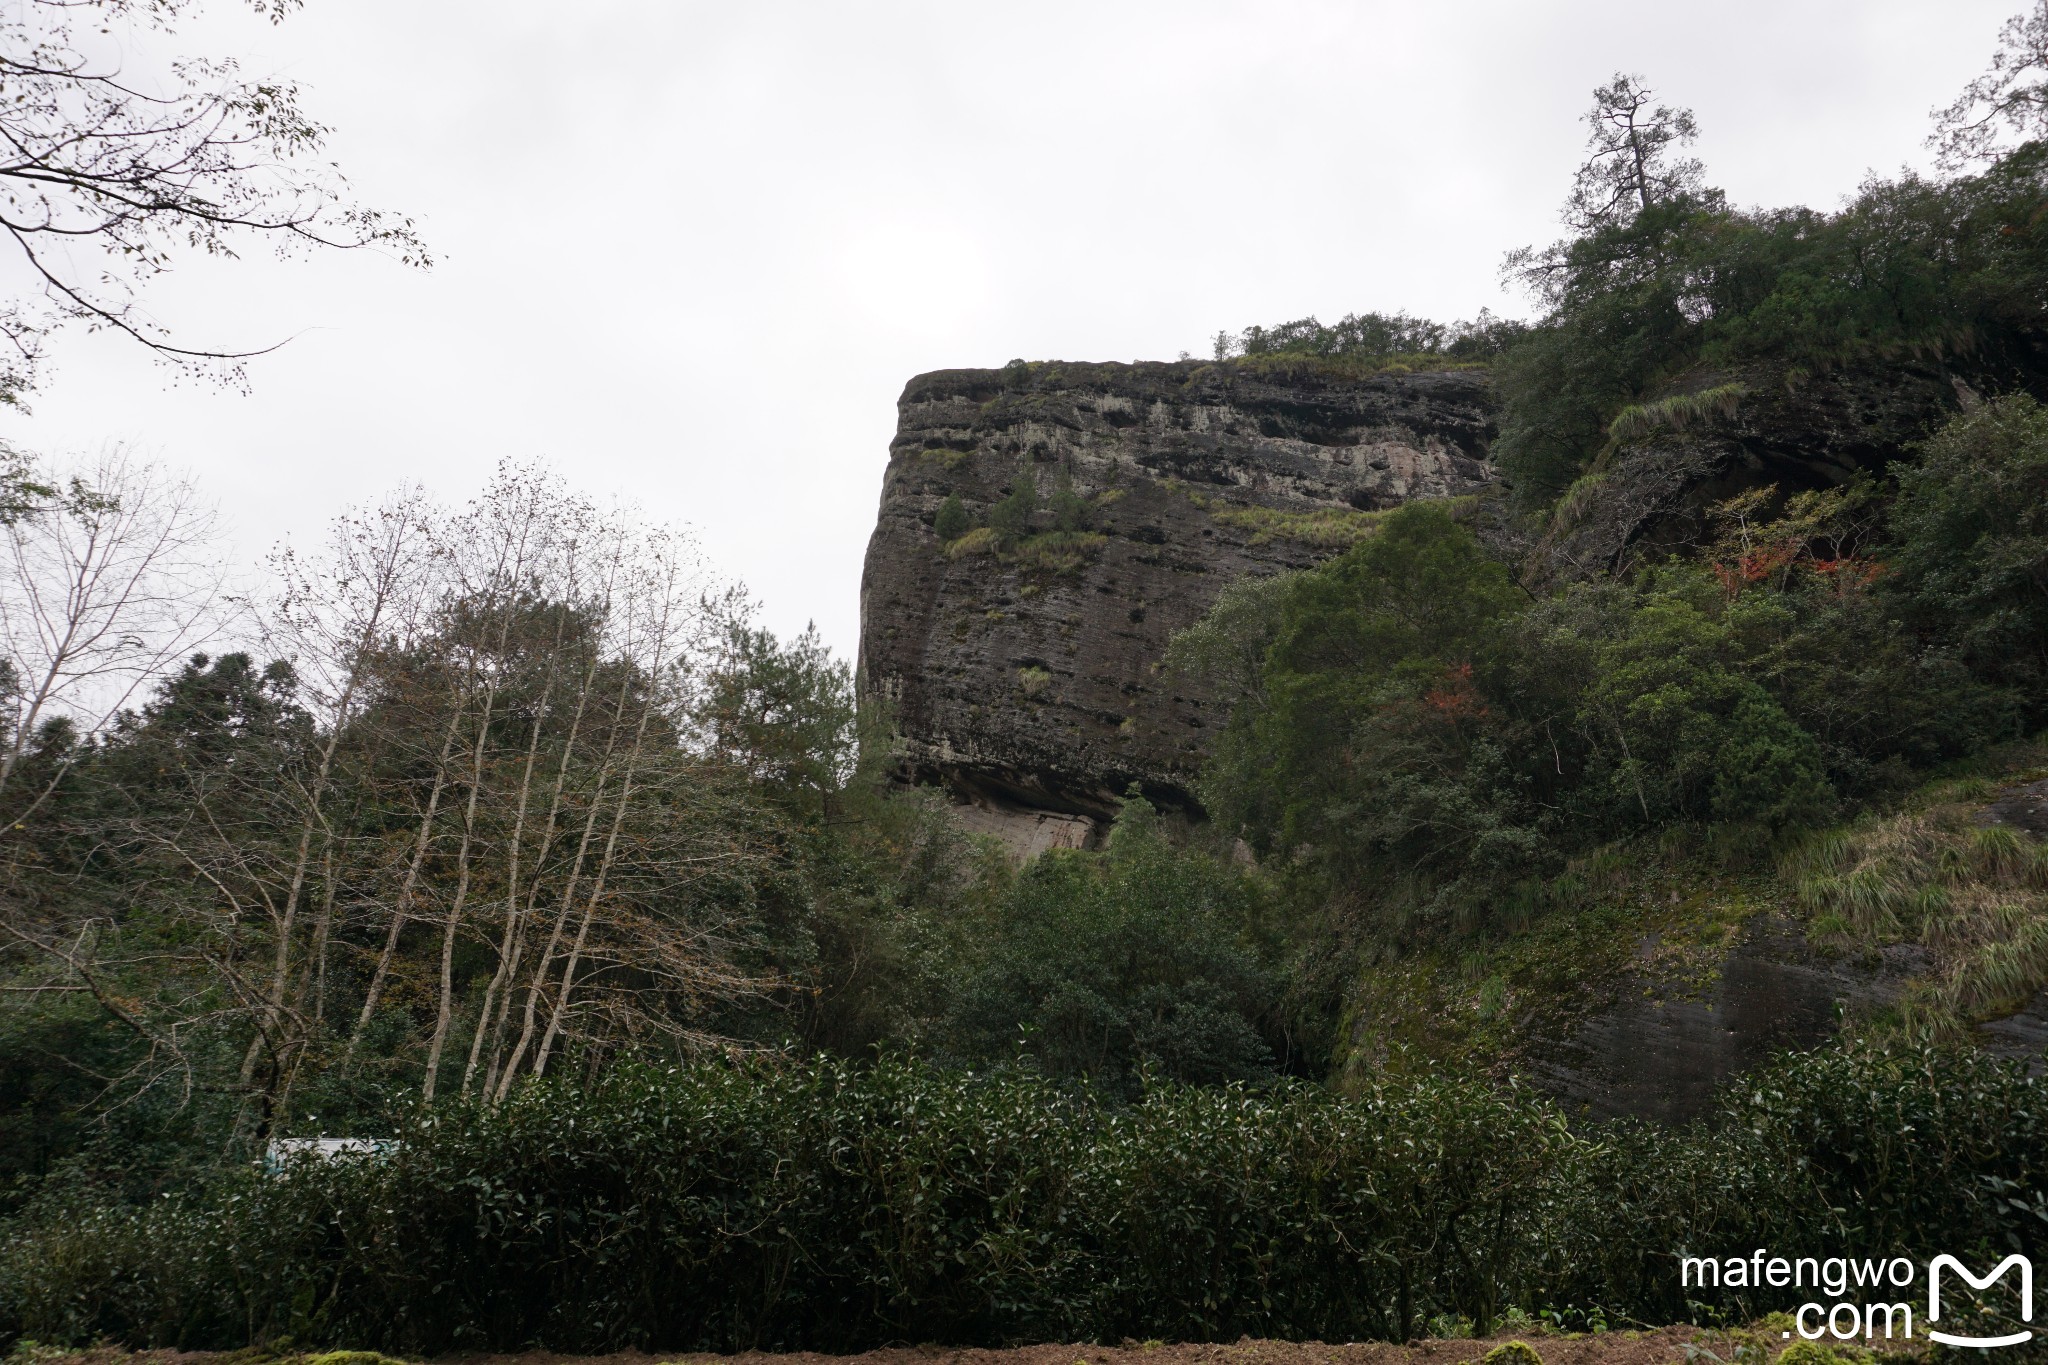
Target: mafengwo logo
<point x="2026" y="1269"/>
<point x="1847" y="1319"/>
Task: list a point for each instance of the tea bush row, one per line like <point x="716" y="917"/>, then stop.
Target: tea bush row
<point x="828" y="1207"/>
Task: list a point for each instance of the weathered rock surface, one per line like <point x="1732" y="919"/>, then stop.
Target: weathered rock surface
<point x="1655" y="1054"/>
<point x="1025" y="674"/>
<point x="2021" y="1036"/>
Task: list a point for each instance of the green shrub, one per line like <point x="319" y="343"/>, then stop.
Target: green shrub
<point x="952" y="520"/>
<point x="1814" y="1353"/>
<point x="1056" y="552"/>
<point x="1108" y="966"/>
<point x="1070" y="511"/>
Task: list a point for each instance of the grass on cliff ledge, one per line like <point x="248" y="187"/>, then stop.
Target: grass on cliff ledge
<point x="1329" y="528"/>
<point x="1333" y="528"/>
<point x="1048" y="552"/>
<point x="1936" y="874"/>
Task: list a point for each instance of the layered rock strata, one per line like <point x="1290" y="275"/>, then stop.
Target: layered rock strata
<point x="1021" y="652"/>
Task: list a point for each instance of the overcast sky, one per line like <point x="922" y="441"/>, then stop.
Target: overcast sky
<point x="691" y="252"/>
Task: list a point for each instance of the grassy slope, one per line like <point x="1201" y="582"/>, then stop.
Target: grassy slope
<point x="1662" y="914"/>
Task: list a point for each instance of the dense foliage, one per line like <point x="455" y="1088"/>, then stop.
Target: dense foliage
<point x="1141" y="960"/>
<point x="513" y="792"/>
<point x="819" y="1206"/>
<point x="1386" y="335"/>
<point x="1934" y="270"/>
<point x="1665" y="289"/>
<point x="1972" y="521"/>
<point x="1424" y="727"/>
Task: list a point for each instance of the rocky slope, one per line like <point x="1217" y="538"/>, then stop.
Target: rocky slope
<point x="1024" y="665"/>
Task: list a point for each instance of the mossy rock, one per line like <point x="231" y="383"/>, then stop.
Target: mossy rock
<point x="352" y="1358"/>
<point x="258" y="1354"/>
<point x="1813" y="1353"/>
<point x="1512" y="1353"/>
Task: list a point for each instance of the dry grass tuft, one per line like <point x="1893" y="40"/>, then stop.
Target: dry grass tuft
<point x="982" y="540"/>
<point x="1975" y="895"/>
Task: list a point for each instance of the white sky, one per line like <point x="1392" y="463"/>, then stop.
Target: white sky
<point x="690" y="252"/>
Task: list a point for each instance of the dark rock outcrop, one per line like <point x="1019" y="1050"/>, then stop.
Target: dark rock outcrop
<point x="1656" y="1053"/>
<point x="1024" y="671"/>
<point x="1651" y="495"/>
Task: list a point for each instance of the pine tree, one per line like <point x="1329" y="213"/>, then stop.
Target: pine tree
<point x="1069" y="509"/>
<point x="1012" y="516"/>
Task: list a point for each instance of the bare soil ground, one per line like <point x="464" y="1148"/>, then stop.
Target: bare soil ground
<point x="1662" y="1346"/>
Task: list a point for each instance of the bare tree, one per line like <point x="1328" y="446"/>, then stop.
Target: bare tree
<point x="109" y="573"/>
<point x="663" y="628"/>
<point x="468" y="808"/>
<point x="2009" y="99"/>
<point x="114" y="578"/>
<point x="330" y="622"/>
<point x="141" y="165"/>
<point x="506" y="552"/>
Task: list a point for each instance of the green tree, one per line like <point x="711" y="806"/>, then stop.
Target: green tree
<point x="1102" y="965"/>
<point x="784" y="710"/>
<point x="1677" y="728"/>
<point x="1375" y="647"/>
<point x="1069" y="509"/>
<point x="1012" y="515"/>
<point x="1226" y="649"/>
<point x="1630" y="168"/>
<point x="1971" y="522"/>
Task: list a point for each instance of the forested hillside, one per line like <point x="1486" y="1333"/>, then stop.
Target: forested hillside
<point x="502" y="835"/>
<point x="1463" y="734"/>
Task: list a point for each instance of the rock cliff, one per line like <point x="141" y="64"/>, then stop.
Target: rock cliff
<point x="1045" y="529"/>
<point x="1095" y="510"/>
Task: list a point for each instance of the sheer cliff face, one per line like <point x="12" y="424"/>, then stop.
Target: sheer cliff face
<point x="1024" y="667"/>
